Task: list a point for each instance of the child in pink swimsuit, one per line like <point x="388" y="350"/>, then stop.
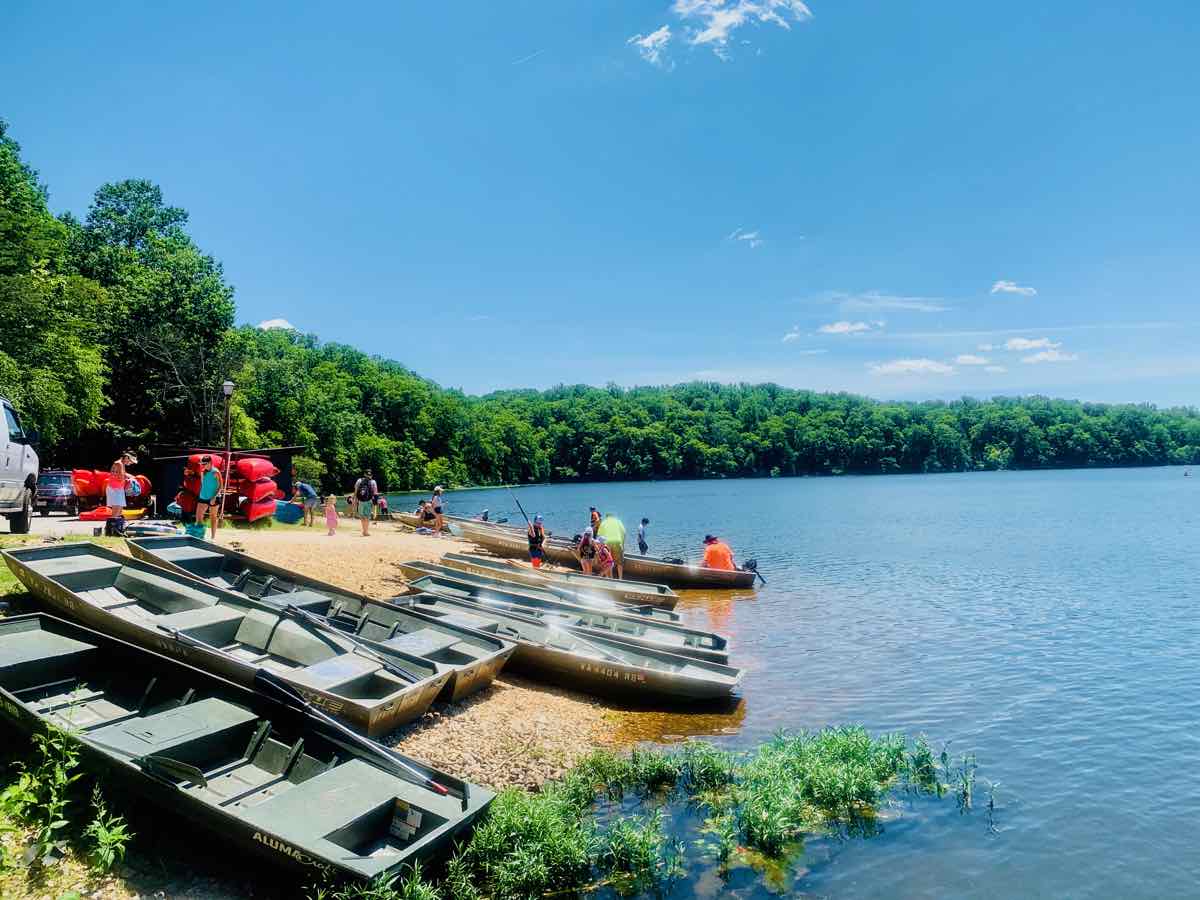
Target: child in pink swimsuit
<point x="331" y="514"/>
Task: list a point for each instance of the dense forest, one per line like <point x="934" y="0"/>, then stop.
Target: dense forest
<point x="117" y="331"/>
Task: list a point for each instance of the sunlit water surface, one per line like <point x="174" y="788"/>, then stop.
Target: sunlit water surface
<point x="1044" y="621"/>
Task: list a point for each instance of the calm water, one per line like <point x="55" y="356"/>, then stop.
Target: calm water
<point x="1044" y="621"/>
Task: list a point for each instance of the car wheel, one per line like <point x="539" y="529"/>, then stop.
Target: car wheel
<point x="18" y="523"/>
<point x="43" y="513"/>
<point x="73" y="510"/>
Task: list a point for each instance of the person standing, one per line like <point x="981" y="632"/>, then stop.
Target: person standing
<point x="365" y="490"/>
<point x="537" y="541"/>
<point x="642" y="545"/>
<point x="586" y="551"/>
<point x="717" y="554"/>
<point x="594" y="518"/>
<point x="439" y="509"/>
<point x="307" y="495"/>
<point x="114" y="488"/>
<point x="331" y="515"/>
<point x="604" y="559"/>
<point x="612" y="530"/>
<point x="208" y="501"/>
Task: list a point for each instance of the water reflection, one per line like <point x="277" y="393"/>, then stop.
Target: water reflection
<point x="634" y="726"/>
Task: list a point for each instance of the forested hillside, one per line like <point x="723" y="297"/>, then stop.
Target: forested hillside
<point x="118" y="330"/>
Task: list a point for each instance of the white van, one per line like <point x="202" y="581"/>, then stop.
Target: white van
<point x="18" y="469"/>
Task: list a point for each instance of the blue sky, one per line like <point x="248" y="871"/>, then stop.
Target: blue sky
<point x="903" y="200"/>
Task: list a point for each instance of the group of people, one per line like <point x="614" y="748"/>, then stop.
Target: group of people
<point x="601" y="548"/>
<point x="432" y="512"/>
<point x="364" y="502"/>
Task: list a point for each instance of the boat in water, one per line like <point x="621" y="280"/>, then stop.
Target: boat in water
<point x="474" y="660"/>
<point x="257" y="769"/>
<point x="506" y="542"/>
<point x="626" y="626"/>
<point x="636" y="593"/>
<point x="374" y="689"/>
<point x="580" y="659"/>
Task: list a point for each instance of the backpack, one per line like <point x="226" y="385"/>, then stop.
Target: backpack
<point x="364" y="492"/>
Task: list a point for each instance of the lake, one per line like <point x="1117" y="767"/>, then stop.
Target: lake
<point x="1044" y="621"/>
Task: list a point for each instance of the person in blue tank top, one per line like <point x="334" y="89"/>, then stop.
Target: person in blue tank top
<point x="209" y="499"/>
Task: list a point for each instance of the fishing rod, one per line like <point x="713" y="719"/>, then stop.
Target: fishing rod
<point x="519" y="506"/>
<point x="271" y="685"/>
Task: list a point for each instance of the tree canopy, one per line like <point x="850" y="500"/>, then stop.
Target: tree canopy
<point x="118" y="331"/>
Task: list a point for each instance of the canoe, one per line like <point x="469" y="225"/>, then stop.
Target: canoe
<point x="505" y="542"/>
<point x="630" y="628"/>
<point x="637" y="593"/>
<point x="582" y="660"/>
<point x="547" y="592"/>
<point x="474" y="660"/>
<point x="229" y="634"/>
<point x="261" y="774"/>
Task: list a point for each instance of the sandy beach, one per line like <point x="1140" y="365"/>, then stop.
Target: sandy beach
<point x="514" y="733"/>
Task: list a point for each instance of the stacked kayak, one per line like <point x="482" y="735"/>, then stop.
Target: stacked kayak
<point x="252" y="481"/>
<point x="259" y="769"/>
<point x="372" y="688"/>
<point x="475" y="660"/>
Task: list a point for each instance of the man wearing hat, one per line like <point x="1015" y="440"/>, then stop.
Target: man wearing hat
<point x="717" y="554"/>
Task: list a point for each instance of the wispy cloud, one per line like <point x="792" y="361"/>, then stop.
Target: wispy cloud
<point x="479" y="318"/>
<point x="532" y="56"/>
<point x="845" y="327"/>
<point x="652" y="47"/>
<point x="911" y="367"/>
<point x="270" y="324"/>
<point x="753" y="238"/>
<point x="996" y="370"/>
<point x="970" y="359"/>
<point x="793" y="335"/>
<point x="1050" y="356"/>
<point x="869" y="301"/>
<point x="1011" y="287"/>
<point x="1022" y="343"/>
<point x="711" y="23"/>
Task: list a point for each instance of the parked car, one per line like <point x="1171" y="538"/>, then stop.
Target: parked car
<point x="55" y="492"/>
<point x="18" y="469"/>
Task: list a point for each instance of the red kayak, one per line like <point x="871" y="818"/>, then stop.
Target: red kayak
<point x="254" y="510"/>
<point x="254" y="468"/>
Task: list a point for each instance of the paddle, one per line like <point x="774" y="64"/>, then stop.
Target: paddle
<point x="321" y="624"/>
<point x="271" y="685"/>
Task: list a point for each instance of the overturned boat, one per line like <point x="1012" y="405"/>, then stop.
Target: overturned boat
<point x="260" y="769"/>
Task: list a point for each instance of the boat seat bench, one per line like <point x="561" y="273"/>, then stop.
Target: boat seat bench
<point x="334" y="672"/>
<point x="214" y="625"/>
<point x="77" y="572"/>
<point x="170" y="596"/>
<point x="188" y="733"/>
<point x="424" y="642"/>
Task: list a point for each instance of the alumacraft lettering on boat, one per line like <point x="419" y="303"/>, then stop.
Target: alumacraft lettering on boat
<point x="287" y="850"/>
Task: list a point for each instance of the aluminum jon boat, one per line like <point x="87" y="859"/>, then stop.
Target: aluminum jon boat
<point x="580" y="659"/>
<point x="505" y="542"/>
<point x="257" y="769"/>
<point x="546" y="592"/>
<point x="631" y="629"/>
<point x="374" y="690"/>
<point x="636" y="593"/>
<point x="474" y="660"/>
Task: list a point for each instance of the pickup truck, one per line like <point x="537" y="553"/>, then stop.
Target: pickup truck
<point x="18" y="469"/>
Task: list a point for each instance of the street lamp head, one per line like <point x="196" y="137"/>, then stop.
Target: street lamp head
<point x="227" y="387"/>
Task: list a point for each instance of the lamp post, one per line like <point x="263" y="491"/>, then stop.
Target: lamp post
<point x="227" y="389"/>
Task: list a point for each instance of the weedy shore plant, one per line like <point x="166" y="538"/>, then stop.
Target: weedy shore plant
<point x="107" y="834"/>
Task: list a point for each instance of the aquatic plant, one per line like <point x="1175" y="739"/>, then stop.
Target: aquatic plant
<point x="703" y="767"/>
<point x="638" y="853"/>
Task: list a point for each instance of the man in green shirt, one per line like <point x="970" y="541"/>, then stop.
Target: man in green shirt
<point x="612" y="530"/>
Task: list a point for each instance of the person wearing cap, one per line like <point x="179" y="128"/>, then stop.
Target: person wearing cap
<point x="717" y="554"/>
<point x="537" y="541"/>
<point x="208" y="501"/>
<point x="439" y="509"/>
<point x="604" y="559"/>
<point x="612" y="530"/>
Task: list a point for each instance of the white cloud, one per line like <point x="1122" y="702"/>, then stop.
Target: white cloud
<point x="995" y="369"/>
<point x="652" y="47"/>
<point x="713" y="22"/>
<point x="911" y="367"/>
<point x="793" y="335"/>
<point x="532" y="56"/>
<point x="877" y="300"/>
<point x="970" y="359"/>
<point x="1050" y="356"/>
<point x="811" y="352"/>
<point x="1021" y="343"/>
<point x="750" y="237"/>
<point x="1011" y="287"/>
<point x="986" y="348"/>
<point x="269" y="324"/>
<point x="844" y="327"/>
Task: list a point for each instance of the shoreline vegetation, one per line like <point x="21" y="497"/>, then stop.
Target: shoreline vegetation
<point x="136" y="331"/>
